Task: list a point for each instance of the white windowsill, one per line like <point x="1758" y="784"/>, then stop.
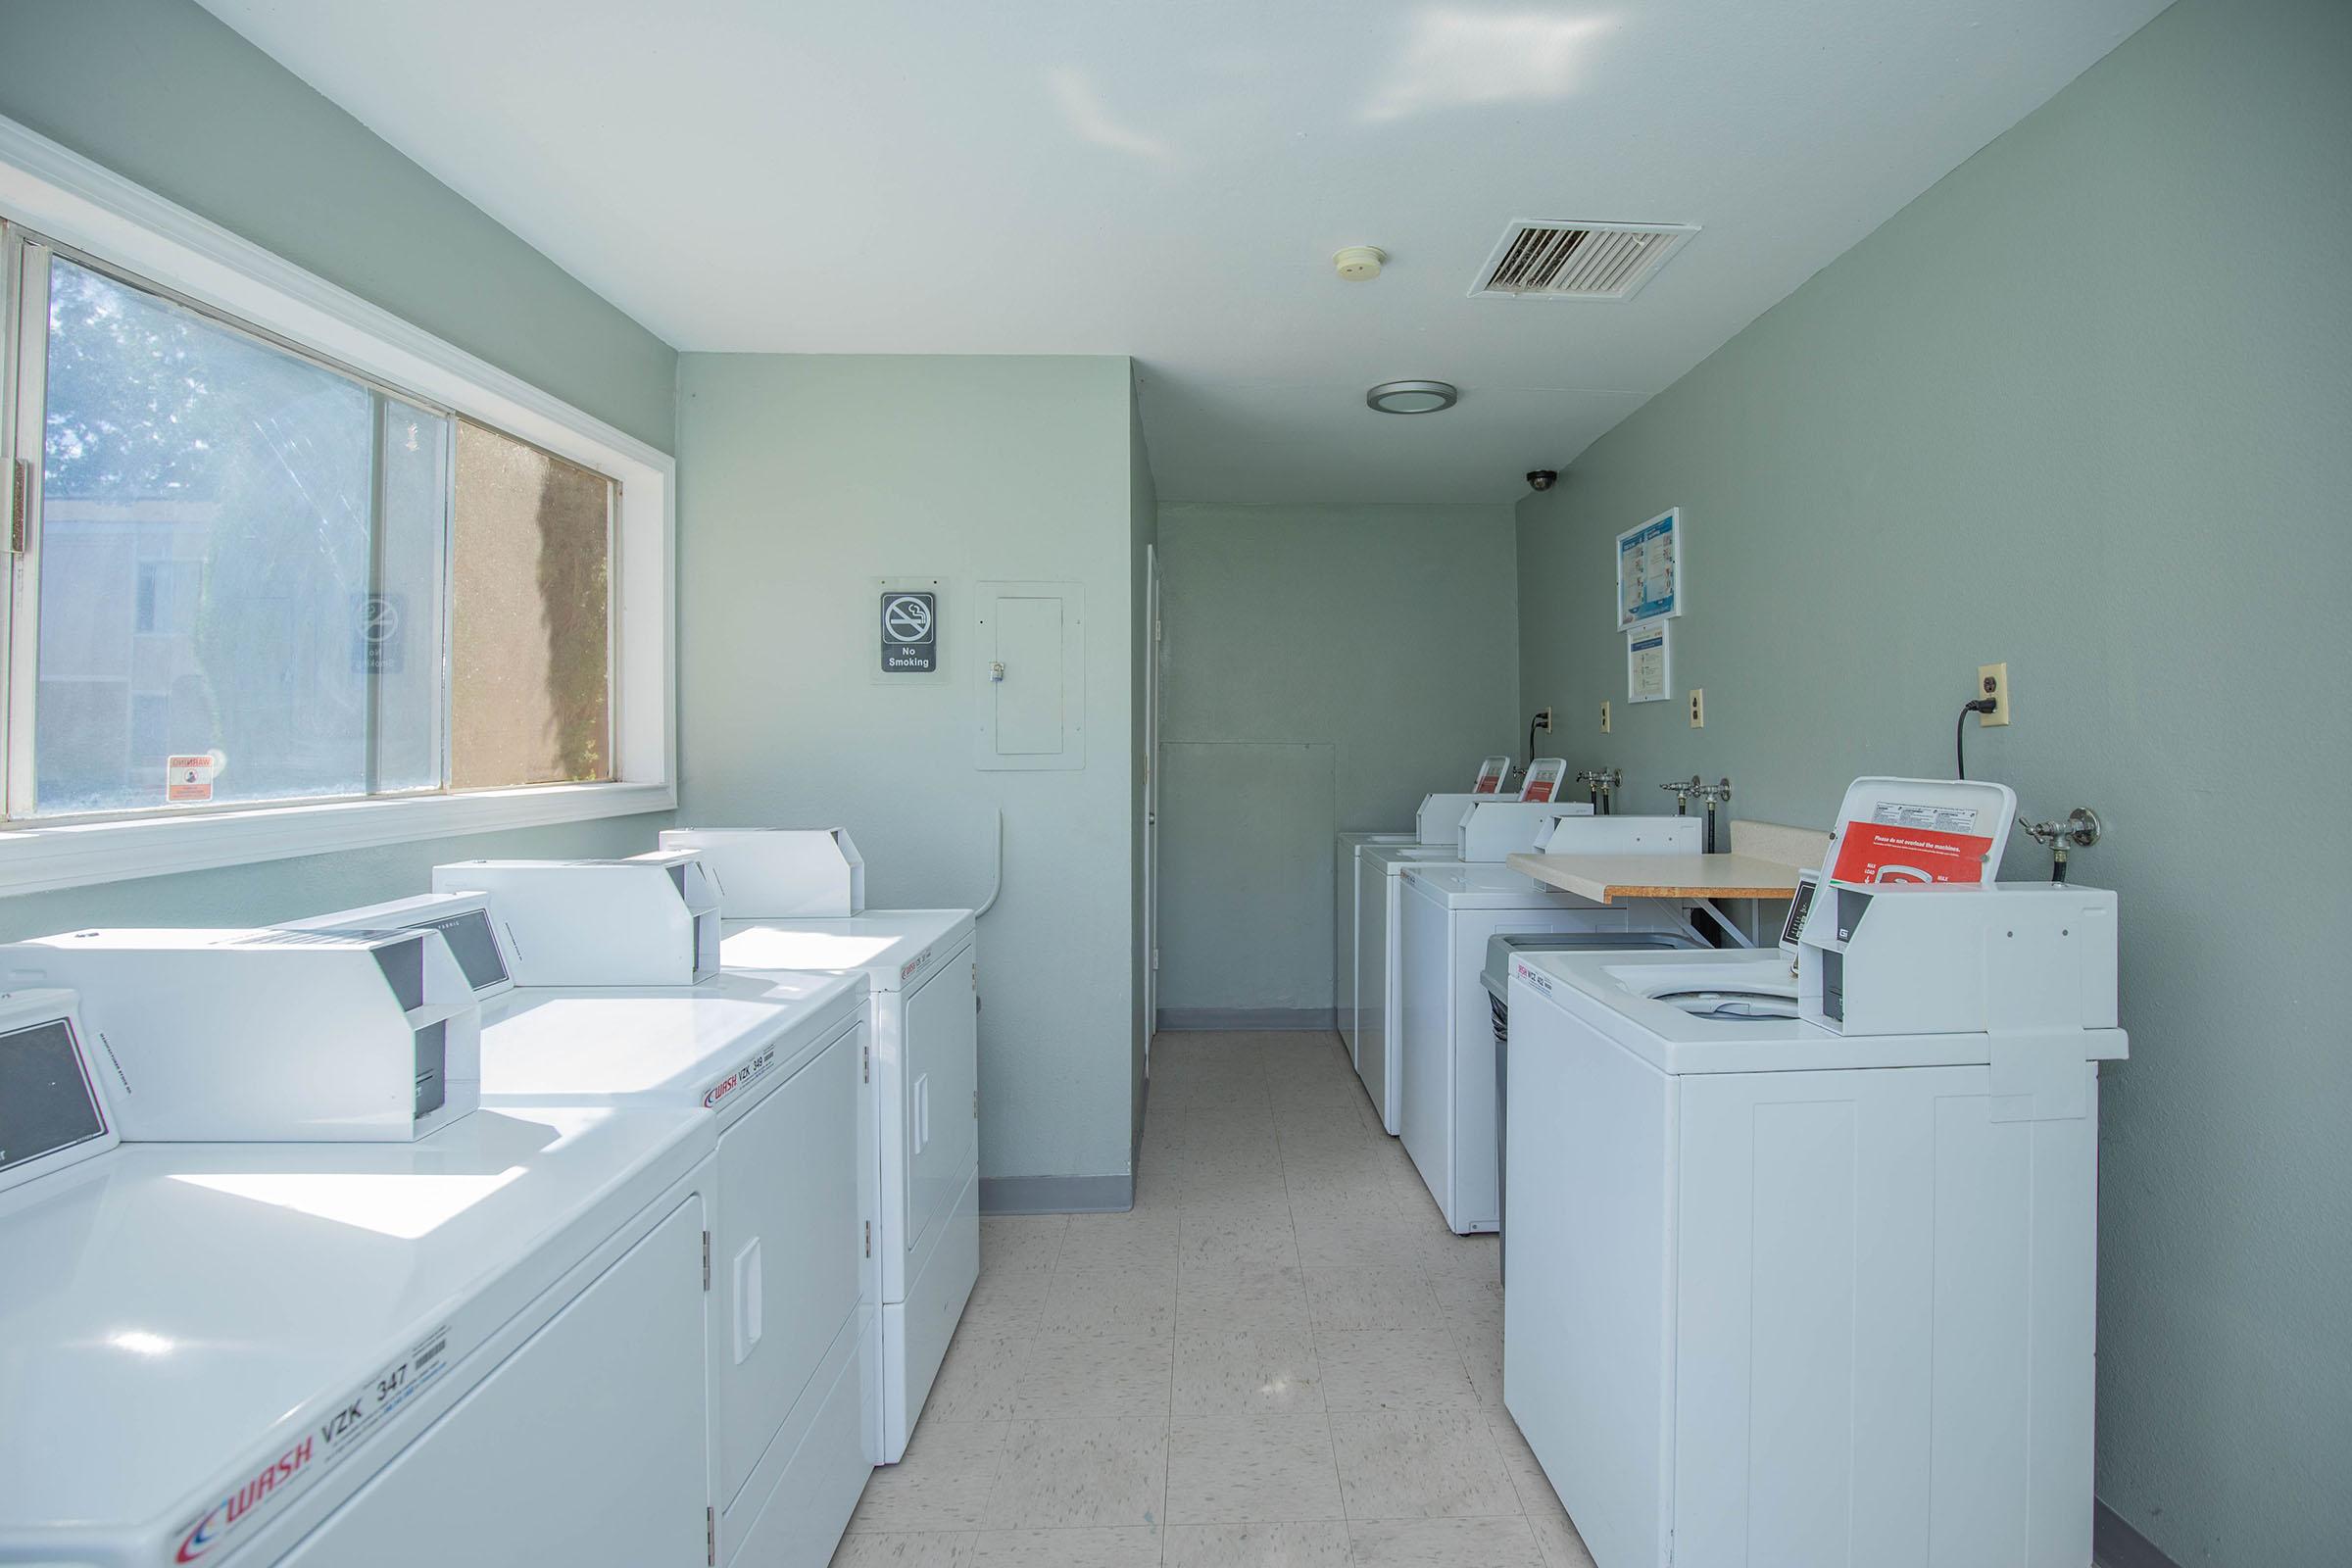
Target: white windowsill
<point x="34" y="859"/>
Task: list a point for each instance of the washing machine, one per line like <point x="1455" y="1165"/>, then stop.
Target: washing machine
<point x="483" y="1345"/>
<point x="915" y="972"/>
<point x="1342" y="928"/>
<point x="1494" y="979"/>
<point x="1803" y="1265"/>
<point x="1446" y="914"/>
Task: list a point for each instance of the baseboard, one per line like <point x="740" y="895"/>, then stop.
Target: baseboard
<point x="1229" y="1020"/>
<point x="1056" y="1194"/>
<point x="2116" y="1544"/>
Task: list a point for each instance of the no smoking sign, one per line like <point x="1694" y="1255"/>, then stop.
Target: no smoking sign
<point x="910" y="633"/>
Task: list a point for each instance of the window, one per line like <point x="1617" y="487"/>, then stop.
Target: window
<point x="290" y="574"/>
<point x="254" y="576"/>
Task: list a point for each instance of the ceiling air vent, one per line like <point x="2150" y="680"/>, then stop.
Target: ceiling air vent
<point x="1568" y="260"/>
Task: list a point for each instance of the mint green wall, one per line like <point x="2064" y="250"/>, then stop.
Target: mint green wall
<point x="1143" y="535"/>
<point x="160" y="92"/>
<point x="165" y="94"/>
<point x="1326" y="667"/>
<point x="2083" y="406"/>
<point x="801" y="480"/>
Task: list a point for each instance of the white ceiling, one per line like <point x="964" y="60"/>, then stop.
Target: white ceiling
<point x="1168" y="178"/>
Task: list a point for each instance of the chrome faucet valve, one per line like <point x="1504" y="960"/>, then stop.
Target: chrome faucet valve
<point x="2080" y="830"/>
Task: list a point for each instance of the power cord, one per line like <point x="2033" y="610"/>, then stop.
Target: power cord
<point x="1982" y="705"/>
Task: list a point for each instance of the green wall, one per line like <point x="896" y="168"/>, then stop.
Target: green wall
<point x="2083" y="407"/>
<point x="160" y="92"/>
<point x="1143" y="536"/>
<point x="1326" y="667"/>
<point x="164" y="93"/>
<point x="803" y="480"/>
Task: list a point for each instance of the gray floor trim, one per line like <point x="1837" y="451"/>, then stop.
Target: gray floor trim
<point x="2115" y="1543"/>
<point x="1056" y="1194"/>
<point x="1193" y="1018"/>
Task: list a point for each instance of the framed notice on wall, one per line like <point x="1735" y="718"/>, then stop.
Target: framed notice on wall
<point x="1649" y="661"/>
<point x="1649" y="571"/>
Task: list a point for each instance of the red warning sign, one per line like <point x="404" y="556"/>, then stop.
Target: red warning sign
<point x="188" y="780"/>
<point x="1871" y="852"/>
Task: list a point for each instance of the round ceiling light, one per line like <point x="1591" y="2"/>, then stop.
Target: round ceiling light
<point x="1411" y="397"/>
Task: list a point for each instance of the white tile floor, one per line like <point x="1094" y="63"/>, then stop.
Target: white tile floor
<point x="1282" y="1359"/>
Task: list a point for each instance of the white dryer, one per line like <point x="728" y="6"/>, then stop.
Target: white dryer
<point x="777" y="1064"/>
<point x="1342" y="928"/>
<point x="1445" y="1040"/>
<point x="914" y="970"/>
<point x="481" y="1346"/>
<point x="780" y="1065"/>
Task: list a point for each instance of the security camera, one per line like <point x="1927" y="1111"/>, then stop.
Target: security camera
<point x="1542" y="479"/>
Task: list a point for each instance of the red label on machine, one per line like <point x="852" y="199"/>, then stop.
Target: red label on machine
<point x="1871" y="852"/>
<point x="1538" y="789"/>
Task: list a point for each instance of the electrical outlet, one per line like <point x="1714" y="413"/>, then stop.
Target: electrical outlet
<point x="1543" y="718"/>
<point x="1992" y="680"/>
<point x="1604" y="718"/>
<point x="1699" y="708"/>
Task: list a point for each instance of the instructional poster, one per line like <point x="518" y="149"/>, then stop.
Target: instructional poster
<point x="1649" y="661"/>
<point x="1649" y="571"/>
<point x="1888" y="850"/>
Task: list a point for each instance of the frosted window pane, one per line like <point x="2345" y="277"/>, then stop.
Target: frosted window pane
<point x="214" y="555"/>
<point x="530" y="695"/>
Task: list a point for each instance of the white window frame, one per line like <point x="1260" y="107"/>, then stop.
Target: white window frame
<point x="58" y="194"/>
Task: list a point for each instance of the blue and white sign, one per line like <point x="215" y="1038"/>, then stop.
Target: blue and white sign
<point x="1649" y="571"/>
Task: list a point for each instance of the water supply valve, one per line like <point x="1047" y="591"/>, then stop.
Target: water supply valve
<point x="2080" y="830"/>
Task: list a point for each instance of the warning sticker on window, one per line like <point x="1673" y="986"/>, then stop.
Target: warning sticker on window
<point x="188" y="780"/>
<point x="1873" y="852"/>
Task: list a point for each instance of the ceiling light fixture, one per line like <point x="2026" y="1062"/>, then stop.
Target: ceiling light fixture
<point x="1411" y="397"/>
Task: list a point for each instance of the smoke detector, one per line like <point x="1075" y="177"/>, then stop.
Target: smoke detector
<point x="1358" y="263"/>
<point x="1569" y="259"/>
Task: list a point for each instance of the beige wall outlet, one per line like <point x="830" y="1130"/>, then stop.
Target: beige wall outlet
<point x="1604" y="718"/>
<point x="1699" y="708"/>
<point x="1992" y="680"/>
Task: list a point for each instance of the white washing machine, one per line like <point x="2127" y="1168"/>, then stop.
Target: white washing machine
<point x="915" y="970"/>
<point x="1446" y="1038"/>
<point x="1343" y="929"/>
<point x="777" y="1064"/>
<point x="483" y="1347"/>
<point x="1781" y="1294"/>
<point x="1379" y="881"/>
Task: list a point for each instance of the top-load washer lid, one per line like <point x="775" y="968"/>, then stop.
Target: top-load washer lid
<point x="1490" y="887"/>
<point x="892" y="949"/>
<point x="1619" y="995"/>
<point x="693" y="1045"/>
<point x="181" y="1325"/>
<point x="1504" y="946"/>
<point x="1394" y="858"/>
<point x="1730" y="1004"/>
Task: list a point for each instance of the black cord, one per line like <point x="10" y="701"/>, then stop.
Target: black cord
<point x="1531" y="740"/>
<point x="1982" y="705"/>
